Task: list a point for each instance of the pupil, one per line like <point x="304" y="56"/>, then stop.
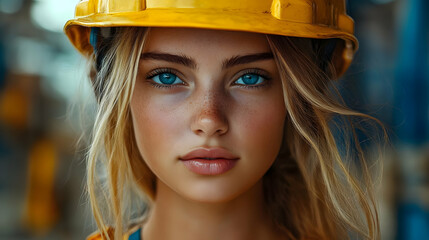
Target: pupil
<point x="167" y="78"/>
<point x="250" y="78"/>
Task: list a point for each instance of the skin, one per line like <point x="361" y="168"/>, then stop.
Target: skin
<point x="208" y="108"/>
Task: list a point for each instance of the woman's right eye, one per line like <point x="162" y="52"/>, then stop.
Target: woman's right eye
<point x="164" y="79"/>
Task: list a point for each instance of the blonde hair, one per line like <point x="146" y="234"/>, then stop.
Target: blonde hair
<point x="311" y="191"/>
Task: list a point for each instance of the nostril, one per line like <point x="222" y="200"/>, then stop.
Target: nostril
<point x="209" y="119"/>
<point x="218" y="126"/>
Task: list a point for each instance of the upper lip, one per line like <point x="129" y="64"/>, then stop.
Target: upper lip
<point x="212" y="153"/>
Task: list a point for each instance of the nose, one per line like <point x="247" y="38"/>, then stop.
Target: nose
<point x="210" y="118"/>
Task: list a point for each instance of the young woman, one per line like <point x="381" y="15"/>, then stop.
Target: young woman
<point x="219" y="118"/>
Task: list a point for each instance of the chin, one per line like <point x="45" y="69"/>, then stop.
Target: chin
<point x="214" y="191"/>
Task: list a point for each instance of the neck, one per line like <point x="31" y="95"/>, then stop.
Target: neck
<point x="178" y="218"/>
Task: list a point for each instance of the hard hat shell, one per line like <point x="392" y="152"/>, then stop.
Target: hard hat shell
<point x="321" y="19"/>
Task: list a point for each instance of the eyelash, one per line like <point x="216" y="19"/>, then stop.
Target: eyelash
<point x="159" y="71"/>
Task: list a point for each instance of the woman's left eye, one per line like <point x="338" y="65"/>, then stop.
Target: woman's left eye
<point x="252" y="80"/>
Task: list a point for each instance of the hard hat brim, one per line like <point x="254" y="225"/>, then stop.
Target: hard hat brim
<point x="78" y="30"/>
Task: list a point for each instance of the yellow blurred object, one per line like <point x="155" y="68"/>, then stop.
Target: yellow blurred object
<point x="14" y="108"/>
<point x="41" y="209"/>
<point x="321" y="19"/>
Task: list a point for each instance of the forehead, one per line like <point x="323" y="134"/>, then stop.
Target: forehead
<point x="195" y="40"/>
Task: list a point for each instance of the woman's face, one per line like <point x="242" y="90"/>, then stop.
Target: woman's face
<point x="199" y="88"/>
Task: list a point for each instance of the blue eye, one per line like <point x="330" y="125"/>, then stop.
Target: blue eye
<point x="166" y="78"/>
<point x="250" y="79"/>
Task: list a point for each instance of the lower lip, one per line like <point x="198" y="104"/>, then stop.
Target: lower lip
<point x="209" y="167"/>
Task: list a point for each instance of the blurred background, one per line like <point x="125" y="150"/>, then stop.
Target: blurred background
<point x="42" y="170"/>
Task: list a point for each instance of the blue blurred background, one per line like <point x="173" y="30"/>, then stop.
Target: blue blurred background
<point x="42" y="171"/>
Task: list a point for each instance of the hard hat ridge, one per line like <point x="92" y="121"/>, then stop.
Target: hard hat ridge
<point x="321" y="19"/>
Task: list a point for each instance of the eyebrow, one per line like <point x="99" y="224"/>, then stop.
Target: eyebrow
<point x="180" y="59"/>
<point x="236" y="60"/>
<point x="191" y="63"/>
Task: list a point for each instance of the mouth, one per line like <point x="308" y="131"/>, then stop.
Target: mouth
<point x="209" y="154"/>
<point x="214" y="161"/>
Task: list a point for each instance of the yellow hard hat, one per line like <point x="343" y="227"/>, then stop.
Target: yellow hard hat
<point x="321" y="19"/>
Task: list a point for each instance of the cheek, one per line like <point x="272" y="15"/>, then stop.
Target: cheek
<point x="157" y="127"/>
<point x="261" y="129"/>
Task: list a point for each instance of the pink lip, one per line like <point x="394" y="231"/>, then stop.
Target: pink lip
<point x="209" y="153"/>
<point x="220" y="161"/>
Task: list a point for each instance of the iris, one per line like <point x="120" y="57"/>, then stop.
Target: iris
<point x="250" y="78"/>
<point x="167" y="78"/>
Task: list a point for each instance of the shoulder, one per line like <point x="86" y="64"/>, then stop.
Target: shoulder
<point x="132" y="233"/>
<point x="94" y="236"/>
<point x="99" y="236"/>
